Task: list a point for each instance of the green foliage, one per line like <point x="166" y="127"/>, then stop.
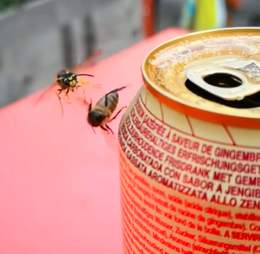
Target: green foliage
<point x="4" y="4"/>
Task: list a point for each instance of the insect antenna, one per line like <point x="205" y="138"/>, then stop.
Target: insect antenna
<point x="85" y="74"/>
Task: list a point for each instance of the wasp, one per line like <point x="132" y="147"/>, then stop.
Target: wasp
<point x="67" y="81"/>
<point x="100" y="114"/>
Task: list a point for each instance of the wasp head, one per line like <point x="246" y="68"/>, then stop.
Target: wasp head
<point x="66" y="78"/>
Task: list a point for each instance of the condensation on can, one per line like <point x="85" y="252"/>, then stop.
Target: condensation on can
<point x="190" y="147"/>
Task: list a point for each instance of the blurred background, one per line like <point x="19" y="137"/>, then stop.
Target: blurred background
<point x="38" y="38"/>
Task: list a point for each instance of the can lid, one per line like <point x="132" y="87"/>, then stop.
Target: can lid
<point x="213" y="75"/>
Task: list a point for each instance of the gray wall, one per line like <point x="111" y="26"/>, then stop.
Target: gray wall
<point x="43" y="37"/>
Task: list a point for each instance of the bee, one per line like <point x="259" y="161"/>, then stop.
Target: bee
<point x="100" y="114"/>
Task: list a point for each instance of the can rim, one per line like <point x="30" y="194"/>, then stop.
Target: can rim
<point x="190" y="108"/>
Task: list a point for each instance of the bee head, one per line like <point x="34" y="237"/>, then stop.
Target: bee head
<point x="96" y="118"/>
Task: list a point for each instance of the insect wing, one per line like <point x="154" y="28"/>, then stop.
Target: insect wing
<point x="45" y="92"/>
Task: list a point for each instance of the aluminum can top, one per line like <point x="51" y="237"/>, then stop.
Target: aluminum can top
<point x="213" y="75"/>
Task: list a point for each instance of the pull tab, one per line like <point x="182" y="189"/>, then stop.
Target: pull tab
<point x="229" y="81"/>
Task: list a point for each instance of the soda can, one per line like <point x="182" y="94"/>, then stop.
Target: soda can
<point x="190" y="147"/>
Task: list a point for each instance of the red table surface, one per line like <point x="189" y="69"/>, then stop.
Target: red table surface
<point x="59" y="181"/>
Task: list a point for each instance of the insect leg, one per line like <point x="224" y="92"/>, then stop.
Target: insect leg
<point x="67" y="94"/>
<point x="109" y="129"/>
<point x="90" y="106"/>
<point x="117" y="114"/>
<point x="68" y="90"/>
<point x="104" y="128"/>
<point x="60" y="101"/>
<point x="93" y="129"/>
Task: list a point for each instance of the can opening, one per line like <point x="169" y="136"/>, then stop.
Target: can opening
<point x="250" y="101"/>
<point x="224" y="80"/>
